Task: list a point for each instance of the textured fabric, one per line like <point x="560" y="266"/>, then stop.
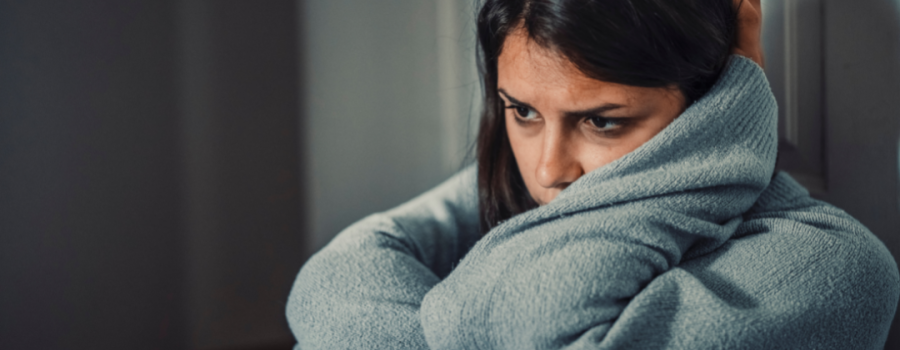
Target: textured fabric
<point x="363" y="290"/>
<point x="686" y="243"/>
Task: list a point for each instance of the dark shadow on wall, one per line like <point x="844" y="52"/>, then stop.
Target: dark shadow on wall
<point x="91" y="246"/>
<point x="149" y="173"/>
<point x="242" y="169"/>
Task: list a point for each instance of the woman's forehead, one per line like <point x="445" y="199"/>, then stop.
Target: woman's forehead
<point x="537" y="75"/>
<point x="523" y="61"/>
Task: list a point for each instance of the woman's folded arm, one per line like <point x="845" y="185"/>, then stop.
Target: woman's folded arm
<point x="363" y="290"/>
<point x="549" y="285"/>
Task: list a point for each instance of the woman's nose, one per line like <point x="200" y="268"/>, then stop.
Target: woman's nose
<point x="558" y="166"/>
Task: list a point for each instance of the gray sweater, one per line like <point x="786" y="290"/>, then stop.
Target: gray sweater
<point x="686" y="243"/>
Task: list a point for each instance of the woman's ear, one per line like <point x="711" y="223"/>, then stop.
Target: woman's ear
<point x="749" y="31"/>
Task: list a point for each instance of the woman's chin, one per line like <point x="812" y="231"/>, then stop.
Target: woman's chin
<point x="543" y="201"/>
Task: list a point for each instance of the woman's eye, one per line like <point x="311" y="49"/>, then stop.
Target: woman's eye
<point x="523" y="112"/>
<point x="604" y="124"/>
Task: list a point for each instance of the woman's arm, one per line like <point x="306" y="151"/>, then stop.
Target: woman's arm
<point x="363" y="290"/>
<point x="800" y="274"/>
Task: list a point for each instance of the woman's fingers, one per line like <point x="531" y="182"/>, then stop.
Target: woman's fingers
<point x="749" y="30"/>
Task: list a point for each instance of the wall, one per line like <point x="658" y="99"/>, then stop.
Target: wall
<point x="240" y="129"/>
<point x="149" y="173"/>
<point x="390" y="91"/>
<point x="91" y="252"/>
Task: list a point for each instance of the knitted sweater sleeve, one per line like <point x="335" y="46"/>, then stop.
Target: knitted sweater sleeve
<point x="363" y="290"/>
<point x="798" y="274"/>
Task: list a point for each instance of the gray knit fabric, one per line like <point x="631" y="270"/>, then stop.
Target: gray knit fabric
<point x="685" y="243"/>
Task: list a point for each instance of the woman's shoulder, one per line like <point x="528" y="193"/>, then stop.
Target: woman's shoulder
<point x="437" y="227"/>
<point x="456" y="196"/>
<point x="786" y="209"/>
<point x="449" y="210"/>
<point x="805" y="265"/>
<point x="810" y="231"/>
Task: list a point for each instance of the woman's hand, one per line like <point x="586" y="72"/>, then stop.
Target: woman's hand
<point x="749" y="31"/>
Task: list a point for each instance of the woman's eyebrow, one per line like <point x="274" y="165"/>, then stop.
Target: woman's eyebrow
<point x="513" y="100"/>
<point x="590" y="112"/>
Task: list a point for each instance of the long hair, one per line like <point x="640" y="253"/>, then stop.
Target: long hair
<point x="646" y="43"/>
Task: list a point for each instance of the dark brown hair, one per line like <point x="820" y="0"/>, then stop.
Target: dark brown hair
<point x="647" y="43"/>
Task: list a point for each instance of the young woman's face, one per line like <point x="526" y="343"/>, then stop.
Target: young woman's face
<point x="562" y="124"/>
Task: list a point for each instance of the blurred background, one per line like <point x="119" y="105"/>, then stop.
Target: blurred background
<point x="166" y="167"/>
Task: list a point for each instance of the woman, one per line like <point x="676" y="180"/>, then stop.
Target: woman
<point x="624" y="197"/>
